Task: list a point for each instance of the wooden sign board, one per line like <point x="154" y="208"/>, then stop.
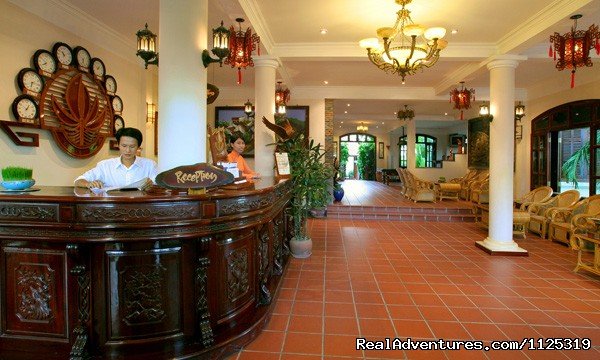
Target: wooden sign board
<point x="197" y="176"/>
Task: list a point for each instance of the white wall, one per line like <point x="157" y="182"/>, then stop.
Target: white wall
<point x="21" y="34"/>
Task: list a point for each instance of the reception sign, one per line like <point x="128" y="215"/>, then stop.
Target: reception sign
<point x="197" y="176"/>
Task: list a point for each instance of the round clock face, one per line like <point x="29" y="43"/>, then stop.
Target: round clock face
<point x="30" y="80"/>
<point x="44" y="61"/>
<point x="24" y="107"/>
<point x="82" y="57"/>
<point x="63" y="53"/>
<point x="98" y="68"/>
<point x="117" y="104"/>
<point x="118" y="123"/>
<point x="110" y="84"/>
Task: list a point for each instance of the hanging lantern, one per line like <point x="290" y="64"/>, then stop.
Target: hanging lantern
<point x="282" y="96"/>
<point x="248" y="108"/>
<point x="573" y="48"/>
<point x="146" y="46"/>
<point x="462" y="98"/>
<point x="241" y="45"/>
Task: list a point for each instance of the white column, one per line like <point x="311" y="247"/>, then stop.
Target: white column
<point x="411" y="139"/>
<point x="264" y="90"/>
<point x="182" y="83"/>
<point x="502" y="130"/>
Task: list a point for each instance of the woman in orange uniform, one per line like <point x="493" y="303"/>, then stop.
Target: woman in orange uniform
<point x="238" y="145"/>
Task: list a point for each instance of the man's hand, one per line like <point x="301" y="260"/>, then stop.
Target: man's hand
<point x="95" y="184"/>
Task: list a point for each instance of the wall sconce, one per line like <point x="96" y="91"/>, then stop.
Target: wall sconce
<point x="280" y="109"/>
<point x="150" y="113"/>
<point x="146" y="46"/>
<point x="248" y="108"/>
<point x="220" y="46"/>
<point x="484" y="112"/>
<point x="519" y="111"/>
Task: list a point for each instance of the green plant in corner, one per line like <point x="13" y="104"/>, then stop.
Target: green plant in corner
<point x="14" y="173"/>
<point x="310" y="179"/>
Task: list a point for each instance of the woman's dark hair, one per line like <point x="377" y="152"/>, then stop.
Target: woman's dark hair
<point x="131" y="132"/>
<point x="236" y="135"/>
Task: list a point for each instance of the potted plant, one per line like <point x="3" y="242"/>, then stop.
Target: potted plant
<point x="338" y="190"/>
<point x="310" y="187"/>
<point x="17" y="178"/>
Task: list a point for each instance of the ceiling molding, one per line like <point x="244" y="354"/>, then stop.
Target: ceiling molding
<point x="72" y="19"/>
<point x="366" y="92"/>
<point x="457" y="76"/>
<point x="259" y="24"/>
<point x="518" y="39"/>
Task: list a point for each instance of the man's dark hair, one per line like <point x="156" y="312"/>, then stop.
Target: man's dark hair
<point x="131" y="132"/>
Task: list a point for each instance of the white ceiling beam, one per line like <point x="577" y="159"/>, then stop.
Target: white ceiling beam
<point x="259" y="24"/>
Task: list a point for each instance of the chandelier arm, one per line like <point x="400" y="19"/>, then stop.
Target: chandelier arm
<point x="386" y="48"/>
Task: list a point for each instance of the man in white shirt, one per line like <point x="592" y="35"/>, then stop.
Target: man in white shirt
<point x="124" y="170"/>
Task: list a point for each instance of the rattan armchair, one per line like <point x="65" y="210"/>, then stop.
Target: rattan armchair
<point x="537" y="195"/>
<point x="540" y="213"/>
<point x="564" y="221"/>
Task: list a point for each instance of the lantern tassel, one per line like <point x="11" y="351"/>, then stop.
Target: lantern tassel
<point x="550" y="51"/>
<point x="572" y="79"/>
<point x="239" y="76"/>
<point x="461" y="114"/>
<point x="597" y="46"/>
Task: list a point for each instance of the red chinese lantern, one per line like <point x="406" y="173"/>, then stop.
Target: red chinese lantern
<point x="462" y="98"/>
<point x="241" y="45"/>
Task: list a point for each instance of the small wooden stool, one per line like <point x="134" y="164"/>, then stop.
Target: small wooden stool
<point x="448" y="191"/>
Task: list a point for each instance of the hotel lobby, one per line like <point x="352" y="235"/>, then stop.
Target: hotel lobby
<point x="371" y="275"/>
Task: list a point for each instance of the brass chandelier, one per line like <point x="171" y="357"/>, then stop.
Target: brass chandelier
<point x="415" y="47"/>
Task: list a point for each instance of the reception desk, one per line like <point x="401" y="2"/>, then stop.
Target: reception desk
<point x="139" y="276"/>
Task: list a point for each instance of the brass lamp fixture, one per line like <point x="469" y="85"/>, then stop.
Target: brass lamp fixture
<point x="484" y="111"/>
<point x="220" y="46"/>
<point x="519" y="111"/>
<point x="406" y="47"/>
<point x="282" y="96"/>
<point x="362" y="127"/>
<point x="146" y="46"/>
<point x="462" y="98"/>
<point x="406" y="114"/>
<point x="248" y="108"/>
<point x="573" y="48"/>
<point x="241" y="45"/>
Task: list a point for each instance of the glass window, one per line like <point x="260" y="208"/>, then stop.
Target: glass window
<point x="581" y="114"/>
<point x="559" y="119"/>
<point x="425" y="151"/>
<point x="574" y="160"/>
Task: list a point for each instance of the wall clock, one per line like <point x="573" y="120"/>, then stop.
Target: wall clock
<point x="110" y="84"/>
<point x="82" y="58"/>
<point x="117" y="104"/>
<point x="64" y="54"/>
<point x="98" y="68"/>
<point x="71" y="99"/>
<point x="44" y="62"/>
<point x="30" y="82"/>
<point x="25" y="108"/>
<point x="118" y="124"/>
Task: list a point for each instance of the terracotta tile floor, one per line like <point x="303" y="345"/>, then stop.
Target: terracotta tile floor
<point x="425" y="280"/>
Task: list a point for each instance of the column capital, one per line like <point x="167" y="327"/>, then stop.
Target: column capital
<point x="497" y="61"/>
<point x="266" y="61"/>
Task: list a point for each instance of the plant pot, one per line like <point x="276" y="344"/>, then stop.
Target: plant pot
<point x="301" y="249"/>
<point x="338" y="194"/>
<point x="318" y="212"/>
<point x="17" y="184"/>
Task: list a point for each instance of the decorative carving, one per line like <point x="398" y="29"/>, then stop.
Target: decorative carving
<point x="156" y="212"/>
<point x="35" y="289"/>
<point x="33" y="138"/>
<point x="263" y="265"/>
<point x="80" y="117"/>
<point x="206" y="332"/>
<point x="22" y="211"/>
<point x="237" y="274"/>
<point x="78" y="349"/>
<point x="228" y="207"/>
<point x="278" y="237"/>
<point x="142" y="294"/>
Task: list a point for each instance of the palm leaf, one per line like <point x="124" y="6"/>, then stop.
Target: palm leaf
<point x="579" y="157"/>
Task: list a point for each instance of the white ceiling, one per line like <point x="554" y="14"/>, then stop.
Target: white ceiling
<point x="290" y="30"/>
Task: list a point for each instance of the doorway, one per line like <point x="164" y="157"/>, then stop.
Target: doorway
<point x="357" y="156"/>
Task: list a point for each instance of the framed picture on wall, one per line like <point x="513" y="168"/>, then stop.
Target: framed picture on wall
<point x="381" y="147"/>
<point x="298" y="118"/>
<point x="234" y="120"/>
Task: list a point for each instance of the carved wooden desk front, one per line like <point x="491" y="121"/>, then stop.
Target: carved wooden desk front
<point x="139" y="276"/>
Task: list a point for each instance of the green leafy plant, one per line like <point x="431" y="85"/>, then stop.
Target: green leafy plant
<point x="579" y="157"/>
<point x="310" y="178"/>
<point x="12" y="173"/>
<point x="366" y="161"/>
